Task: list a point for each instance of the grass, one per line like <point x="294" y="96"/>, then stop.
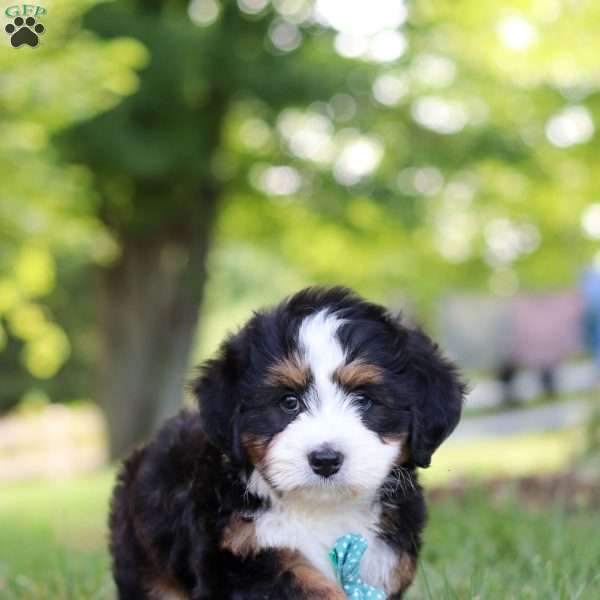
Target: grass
<point x="52" y="540"/>
<point x="479" y="549"/>
<point x="480" y="546"/>
<point x="518" y="455"/>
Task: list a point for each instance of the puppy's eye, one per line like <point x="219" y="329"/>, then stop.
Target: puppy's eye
<point x="363" y="401"/>
<point x="290" y="404"/>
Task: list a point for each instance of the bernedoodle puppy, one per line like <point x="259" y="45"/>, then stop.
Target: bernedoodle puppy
<point x="296" y="479"/>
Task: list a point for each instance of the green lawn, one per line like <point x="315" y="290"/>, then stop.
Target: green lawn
<point x="477" y="548"/>
<point x="52" y="546"/>
<point x="52" y="540"/>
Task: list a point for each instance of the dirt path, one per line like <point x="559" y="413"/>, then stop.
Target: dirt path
<point x="549" y="417"/>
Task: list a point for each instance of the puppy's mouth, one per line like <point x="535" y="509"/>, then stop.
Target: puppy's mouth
<point x="323" y="496"/>
<point x="301" y="482"/>
<point x="326" y="482"/>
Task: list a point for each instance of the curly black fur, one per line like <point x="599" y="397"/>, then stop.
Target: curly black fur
<point x="177" y="498"/>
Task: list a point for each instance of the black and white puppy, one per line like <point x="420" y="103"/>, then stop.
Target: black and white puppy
<point x="312" y="421"/>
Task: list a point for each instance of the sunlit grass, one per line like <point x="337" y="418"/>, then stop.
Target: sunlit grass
<point x="479" y="548"/>
<point x="52" y="540"/>
<point x="53" y="534"/>
<point x="519" y="455"/>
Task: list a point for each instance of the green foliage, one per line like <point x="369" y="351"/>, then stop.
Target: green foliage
<point x="455" y="179"/>
<point x="154" y="154"/>
<point x="47" y="223"/>
<point x="492" y="204"/>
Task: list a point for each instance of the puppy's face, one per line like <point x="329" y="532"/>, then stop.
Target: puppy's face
<point x="323" y="415"/>
<point x="327" y="392"/>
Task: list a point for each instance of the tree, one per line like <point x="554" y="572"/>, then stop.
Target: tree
<point x="421" y="149"/>
<point x="155" y="164"/>
<point x="164" y="161"/>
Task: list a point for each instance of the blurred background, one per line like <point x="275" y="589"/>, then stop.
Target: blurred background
<point x="167" y="166"/>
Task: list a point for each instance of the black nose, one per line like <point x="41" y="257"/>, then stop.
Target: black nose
<point x="325" y="461"/>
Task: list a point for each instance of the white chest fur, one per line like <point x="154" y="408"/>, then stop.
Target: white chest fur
<point x="313" y="527"/>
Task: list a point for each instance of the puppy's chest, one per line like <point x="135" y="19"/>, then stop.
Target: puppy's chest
<point x="314" y="534"/>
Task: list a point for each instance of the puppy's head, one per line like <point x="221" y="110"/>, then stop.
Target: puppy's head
<point x="328" y="391"/>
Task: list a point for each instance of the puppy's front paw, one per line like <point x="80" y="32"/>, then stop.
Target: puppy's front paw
<point x="402" y="576"/>
<point x="312" y="582"/>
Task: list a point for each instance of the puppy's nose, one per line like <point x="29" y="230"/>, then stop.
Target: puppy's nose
<point x="325" y="461"/>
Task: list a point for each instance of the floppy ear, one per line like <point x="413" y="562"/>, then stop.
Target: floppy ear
<point x="217" y="391"/>
<point x="439" y="397"/>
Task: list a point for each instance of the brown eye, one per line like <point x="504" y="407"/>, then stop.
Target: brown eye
<point x="290" y="404"/>
<point x="363" y="401"/>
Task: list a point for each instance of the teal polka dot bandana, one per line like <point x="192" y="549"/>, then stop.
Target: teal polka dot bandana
<point x="345" y="557"/>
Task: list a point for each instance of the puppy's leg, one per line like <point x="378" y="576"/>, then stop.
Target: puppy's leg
<point x="136" y="578"/>
<point x="129" y="562"/>
<point x="402" y="576"/>
<point x="126" y="570"/>
<point x="311" y="582"/>
<point x="292" y="575"/>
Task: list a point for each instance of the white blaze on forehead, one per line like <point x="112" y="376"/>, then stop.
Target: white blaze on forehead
<point x="331" y="417"/>
<point x="322" y="350"/>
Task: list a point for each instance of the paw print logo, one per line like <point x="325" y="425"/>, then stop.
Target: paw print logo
<point x="24" y="31"/>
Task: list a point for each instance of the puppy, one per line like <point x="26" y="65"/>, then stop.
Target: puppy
<point x="312" y="421"/>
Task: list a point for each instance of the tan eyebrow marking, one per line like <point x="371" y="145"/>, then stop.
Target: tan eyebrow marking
<point x="358" y="373"/>
<point x="289" y="372"/>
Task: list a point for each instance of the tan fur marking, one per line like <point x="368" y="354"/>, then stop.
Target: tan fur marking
<point x="240" y="537"/>
<point x="315" y="585"/>
<point x="402" y="439"/>
<point x="289" y="372"/>
<point x="357" y="374"/>
<point x="402" y="575"/>
<point x="256" y="447"/>
<point x="165" y="588"/>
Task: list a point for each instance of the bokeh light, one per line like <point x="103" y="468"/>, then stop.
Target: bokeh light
<point x="440" y="115"/>
<point x="516" y="32"/>
<point x="571" y="126"/>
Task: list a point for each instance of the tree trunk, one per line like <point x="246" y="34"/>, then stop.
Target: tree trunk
<point x="149" y="302"/>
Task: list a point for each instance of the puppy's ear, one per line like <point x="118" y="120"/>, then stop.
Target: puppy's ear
<point x="217" y="391"/>
<point x="439" y="397"/>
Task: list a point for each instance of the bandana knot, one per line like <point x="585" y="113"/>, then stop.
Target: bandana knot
<point x="345" y="557"/>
